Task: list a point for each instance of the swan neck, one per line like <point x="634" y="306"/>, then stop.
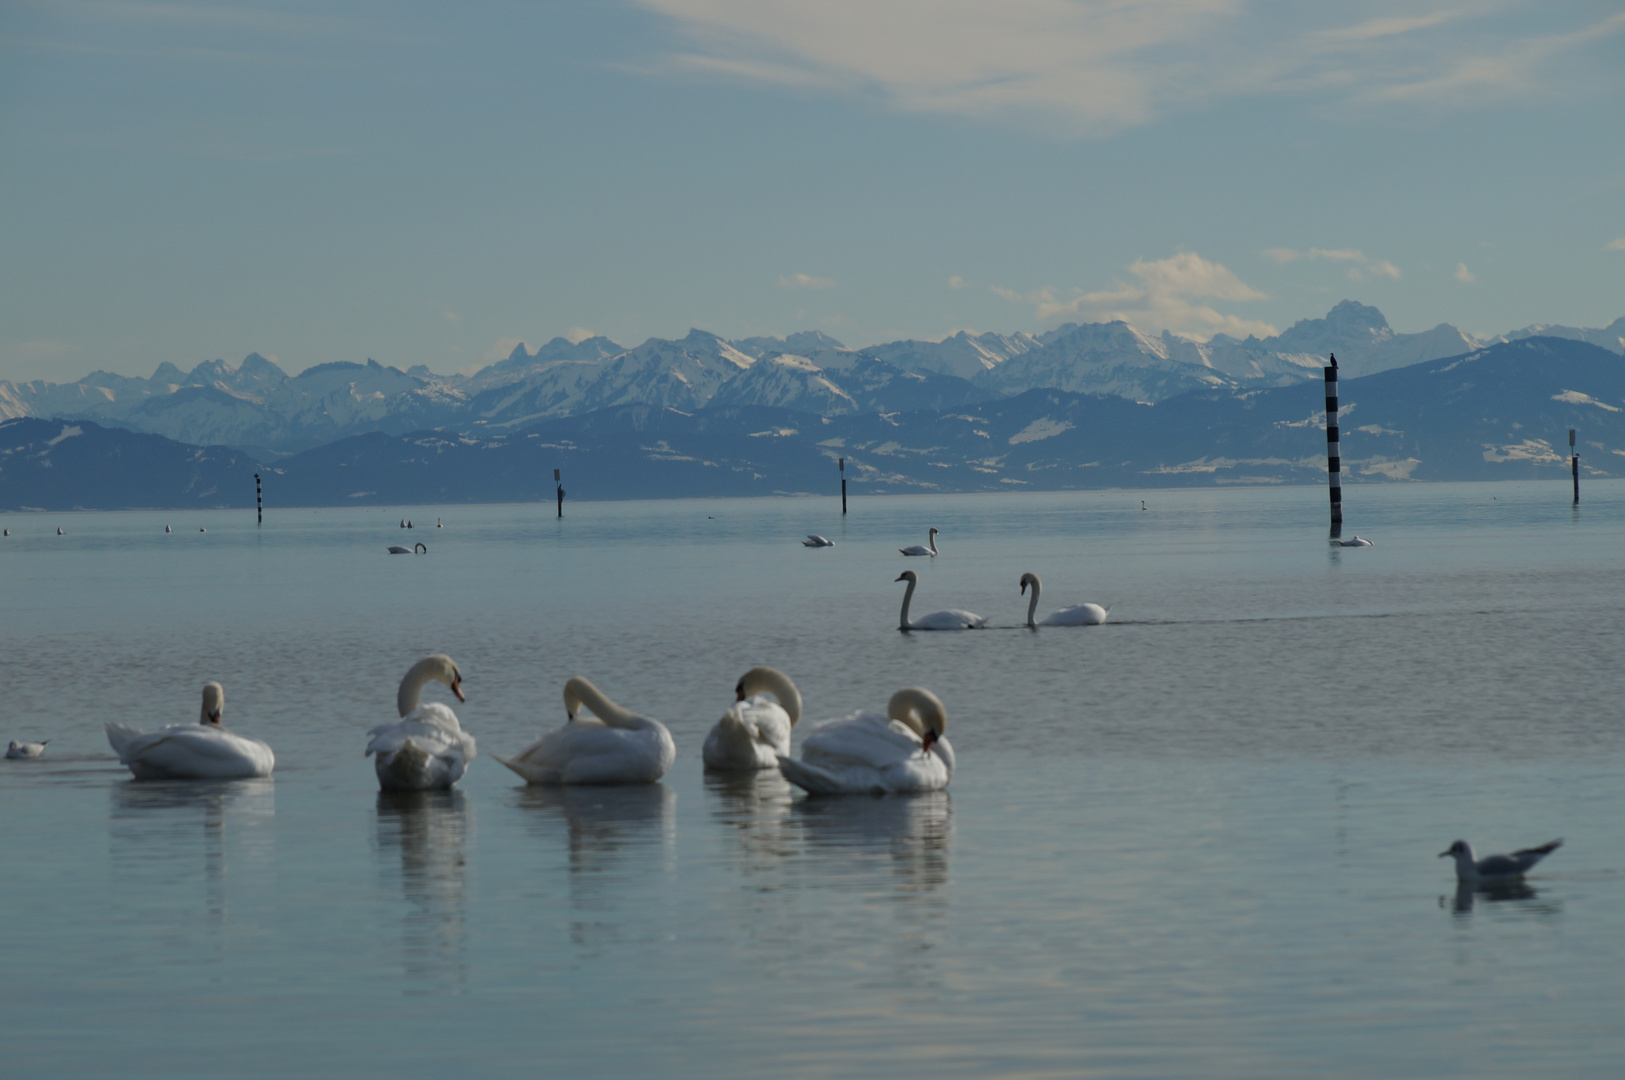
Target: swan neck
<point x="919" y="710"/>
<point x="1032" y="605"/>
<point x="779" y="685"/>
<point x="406" y="699"/>
<point x="908" y="597"/>
<point x="579" y="692"/>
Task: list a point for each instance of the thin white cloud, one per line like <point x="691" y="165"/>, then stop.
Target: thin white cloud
<point x="1616" y="245"/>
<point x="956" y="282"/>
<point x="1364" y="266"/>
<point x="1172" y="294"/>
<point x="805" y="281"/>
<point x="1097" y="66"/>
<point x="1464" y="275"/>
<point x="577" y="334"/>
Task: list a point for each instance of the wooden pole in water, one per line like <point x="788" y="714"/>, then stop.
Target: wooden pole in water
<point x="1334" y="461"/>
<point x="259" y="502"/>
<point x="561" y="492"/>
<point x="843" y="485"/>
<point x="1574" y="467"/>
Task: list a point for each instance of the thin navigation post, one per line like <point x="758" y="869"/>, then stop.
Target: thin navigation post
<point x="259" y="502"/>
<point x="561" y="491"/>
<point x="843" y="485"/>
<point x="1574" y="467"/>
<point x="1334" y="460"/>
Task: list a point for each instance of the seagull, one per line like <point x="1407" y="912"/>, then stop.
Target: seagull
<point x="59" y="531"/>
<point x="1492" y="869"/>
<point x="814" y="540"/>
<point x="167" y="529"/>
<point x="25" y="749"/>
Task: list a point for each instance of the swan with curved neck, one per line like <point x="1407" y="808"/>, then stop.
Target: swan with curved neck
<point x="1075" y="615"/>
<point x="755" y="731"/>
<point x="427" y="748"/>
<point x="921" y="549"/>
<point x="951" y="619"/>
<point x="201" y="751"/>
<point x="904" y="751"/>
<point x="613" y="745"/>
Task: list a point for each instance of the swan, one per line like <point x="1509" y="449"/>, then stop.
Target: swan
<point x="200" y="751"/>
<point x="866" y="753"/>
<point x="426" y="749"/>
<point x="755" y="732"/>
<point x="814" y="540"/>
<point x="1496" y="868"/>
<point x="1076" y="615"/>
<point x="1354" y="541"/>
<point x="952" y="619"/>
<point x="612" y="746"/>
<point x="920" y="549"/>
<point x="35" y="749"/>
<point x="396" y="549"/>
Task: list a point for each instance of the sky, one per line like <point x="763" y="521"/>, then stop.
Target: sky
<point x="430" y="183"/>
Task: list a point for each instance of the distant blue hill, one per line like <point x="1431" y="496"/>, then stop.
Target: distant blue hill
<point x="1498" y="413"/>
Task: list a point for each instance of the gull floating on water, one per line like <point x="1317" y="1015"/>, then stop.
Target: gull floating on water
<point x="814" y="540"/>
<point x="25" y="749"/>
<point x="1496" y="868"/>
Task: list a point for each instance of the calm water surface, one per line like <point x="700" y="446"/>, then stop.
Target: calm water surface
<point x="1198" y="841"/>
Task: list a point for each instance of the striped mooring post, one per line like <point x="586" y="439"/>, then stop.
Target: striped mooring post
<point x="560" y="491"/>
<point x="259" y="502"/>
<point x="843" y="485"/>
<point x="1334" y="461"/>
<point x="1574" y="467"/>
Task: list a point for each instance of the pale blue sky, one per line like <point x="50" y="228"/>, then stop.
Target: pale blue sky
<point x="427" y="183"/>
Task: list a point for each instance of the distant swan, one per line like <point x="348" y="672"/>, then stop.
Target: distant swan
<point x="755" y="731"/>
<point x="814" y="540"/>
<point x="419" y="548"/>
<point x="426" y="749"/>
<point x="25" y="749"/>
<point x="612" y="746"/>
<point x="920" y="549"/>
<point x="200" y="751"/>
<point x="952" y="619"/>
<point x="1354" y="541"/>
<point x="865" y="753"/>
<point x="1076" y="615"/>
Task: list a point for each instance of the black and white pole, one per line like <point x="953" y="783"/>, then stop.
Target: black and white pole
<point x="1334" y="461"/>
<point x="843" y="485"/>
<point x="259" y="502"/>
<point x="561" y="491"/>
<point x="1574" y="467"/>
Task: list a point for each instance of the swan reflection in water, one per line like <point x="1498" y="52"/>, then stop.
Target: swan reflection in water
<point x="620" y="840"/>
<point x="430" y="831"/>
<point x="155" y="827"/>
<point x="913" y="831"/>
<point x="755" y="808"/>
<point x="1523" y="897"/>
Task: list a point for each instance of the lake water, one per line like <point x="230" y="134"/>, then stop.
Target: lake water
<point x="1197" y="841"/>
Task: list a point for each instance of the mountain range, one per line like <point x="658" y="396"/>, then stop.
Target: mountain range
<point x="260" y="409"/>
<point x="1496" y="412"/>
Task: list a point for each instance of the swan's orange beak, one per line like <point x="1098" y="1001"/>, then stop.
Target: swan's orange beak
<point x="457" y="688"/>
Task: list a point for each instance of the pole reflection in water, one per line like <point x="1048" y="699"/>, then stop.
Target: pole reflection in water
<point x="166" y="835"/>
<point x="430" y="830"/>
<point x="1524" y="896"/>
<point x="610" y="833"/>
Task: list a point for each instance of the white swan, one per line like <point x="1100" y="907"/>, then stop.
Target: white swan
<point x="426" y="749"/>
<point x="755" y="732"/>
<point x="35" y="749"/>
<point x="1354" y="541"/>
<point x="1075" y="615"/>
<point x="612" y="746"/>
<point x="200" y="751"/>
<point x="921" y="549"/>
<point x="814" y="540"/>
<point x="952" y="619"/>
<point x="866" y="753"/>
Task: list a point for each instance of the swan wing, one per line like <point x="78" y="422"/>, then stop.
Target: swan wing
<point x="1077" y="615"/>
<point x="192" y="752"/>
<point x="915" y="549"/>
<point x="951" y="619"/>
<point x="867" y="753"/>
<point x="425" y="750"/>
<point x="585" y="751"/>
<point x="751" y="735"/>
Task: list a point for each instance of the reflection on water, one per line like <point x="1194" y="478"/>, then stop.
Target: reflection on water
<point x="915" y="831"/>
<point x="158" y="829"/>
<point x="430" y="830"/>
<point x="1522" y="895"/>
<point x="754" y="808"/>
<point x="609" y="832"/>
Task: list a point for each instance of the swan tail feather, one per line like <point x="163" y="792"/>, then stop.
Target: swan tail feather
<point x="809" y="778"/>
<point x="532" y="774"/>
<point x="119" y="736"/>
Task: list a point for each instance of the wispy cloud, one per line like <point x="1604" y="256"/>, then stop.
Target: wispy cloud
<point x="1464" y="275"/>
<point x="956" y="282"/>
<point x="1172" y="294"/>
<point x="577" y="334"/>
<point x="1616" y="245"/>
<point x="805" y="281"/>
<point x="1363" y="267"/>
<point x="1098" y="66"/>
